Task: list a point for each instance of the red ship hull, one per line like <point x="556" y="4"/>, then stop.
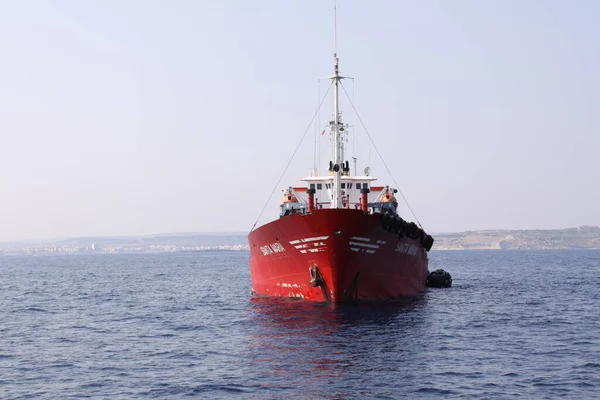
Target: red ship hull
<point x="356" y="258"/>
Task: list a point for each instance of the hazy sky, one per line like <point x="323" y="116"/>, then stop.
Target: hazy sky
<point x="137" y="117"/>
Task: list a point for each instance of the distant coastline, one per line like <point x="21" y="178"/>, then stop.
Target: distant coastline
<point x="159" y="243"/>
<point x="583" y="237"/>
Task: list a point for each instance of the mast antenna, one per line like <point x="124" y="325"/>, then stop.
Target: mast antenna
<point x="335" y="125"/>
<point x="335" y="26"/>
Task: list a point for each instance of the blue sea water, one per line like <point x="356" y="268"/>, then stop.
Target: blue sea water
<point x="516" y="324"/>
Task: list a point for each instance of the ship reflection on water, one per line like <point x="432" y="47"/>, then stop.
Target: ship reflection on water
<point x="332" y="351"/>
<point x="293" y="313"/>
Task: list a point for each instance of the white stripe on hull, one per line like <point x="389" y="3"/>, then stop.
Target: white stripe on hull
<point x="360" y="250"/>
<point x="371" y="246"/>
<point x="311" y="239"/>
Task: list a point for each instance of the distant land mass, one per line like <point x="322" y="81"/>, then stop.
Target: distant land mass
<point x="159" y="243"/>
<point x="583" y="237"/>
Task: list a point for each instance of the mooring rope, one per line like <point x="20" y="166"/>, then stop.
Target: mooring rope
<point x="379" y="154"/>
<point x="291" y="158"/>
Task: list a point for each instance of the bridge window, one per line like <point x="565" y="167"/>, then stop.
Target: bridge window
<point x="358" y="185"/>
<point x="319" y="186"/>
<point x="343" y="185"/>
<point x="312" y="185"/>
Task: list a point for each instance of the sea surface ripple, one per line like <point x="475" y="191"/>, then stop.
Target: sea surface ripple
<point x="516" y="324"/>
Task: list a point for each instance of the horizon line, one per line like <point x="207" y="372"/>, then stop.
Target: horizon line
<point x="239" y="233"/>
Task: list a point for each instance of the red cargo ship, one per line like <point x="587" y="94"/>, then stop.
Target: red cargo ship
<point x="339" y="238"/>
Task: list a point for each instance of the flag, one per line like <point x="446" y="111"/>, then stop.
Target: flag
<point x="322" y="133"/>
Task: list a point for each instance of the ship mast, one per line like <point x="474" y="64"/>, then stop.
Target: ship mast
<point x="336" y="127"/>
<point x="338" y="143"/>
